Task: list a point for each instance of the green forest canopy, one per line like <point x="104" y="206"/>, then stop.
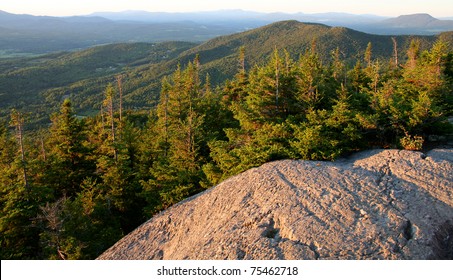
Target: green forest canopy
<point x="71" y="190"/>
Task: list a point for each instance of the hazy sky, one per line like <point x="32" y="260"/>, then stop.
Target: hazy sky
<point x="437" y="8"/>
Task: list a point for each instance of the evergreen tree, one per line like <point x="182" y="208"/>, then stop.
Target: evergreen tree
<point x="368" y="55"/>
<point x="69" y="156"/>
<point x="272" y="91"/>
<point x="328" y="134"/>
<point x="19" y="202"/>
<point x="176" y="171"/>
<point x="313" y="91"/>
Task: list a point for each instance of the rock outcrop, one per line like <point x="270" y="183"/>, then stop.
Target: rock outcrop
<point x="379" y="204"/>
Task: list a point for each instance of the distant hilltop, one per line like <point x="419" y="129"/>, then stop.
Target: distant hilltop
<point x="415" y="20"/>
<point x="416" y="23"/>
<point x="378" y="204"/>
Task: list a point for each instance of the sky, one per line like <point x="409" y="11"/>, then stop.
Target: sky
<point x="436" y="8"/>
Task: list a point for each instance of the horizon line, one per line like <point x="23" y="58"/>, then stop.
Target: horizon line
<point x="222" y="10"/>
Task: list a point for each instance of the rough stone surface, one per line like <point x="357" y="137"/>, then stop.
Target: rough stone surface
<point x="378" y="204"/>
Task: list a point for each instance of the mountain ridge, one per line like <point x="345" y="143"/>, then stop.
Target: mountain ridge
<point x="298" y="39"/>
<point x="413" y="20"/>
<point x="416" y="24"/>
<point x="368" y="23"/>
<point x="219" y="58"/>
<point x="68" y="33"/>
<point x="43" y="34"/>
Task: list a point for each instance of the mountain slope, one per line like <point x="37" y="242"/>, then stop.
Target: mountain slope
<point x="381" y="204"/>
<point x="29" y="83"/>
<point x="218" y="57"/>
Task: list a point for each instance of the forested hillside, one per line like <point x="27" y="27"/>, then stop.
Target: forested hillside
<point x="81" y="76"/>
<point x="39" y="84"/>
<point x="71" y="189"/>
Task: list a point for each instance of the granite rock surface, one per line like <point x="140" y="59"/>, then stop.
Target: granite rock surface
<point x="377" y="204"/>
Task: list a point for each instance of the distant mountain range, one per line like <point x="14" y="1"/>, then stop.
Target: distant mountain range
<point x="416" y="24"/>
<point x="240" y="16"/>
<point x="42" y="34"/>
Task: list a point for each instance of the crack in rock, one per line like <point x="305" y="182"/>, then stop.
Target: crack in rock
<point x="409" y="231"/>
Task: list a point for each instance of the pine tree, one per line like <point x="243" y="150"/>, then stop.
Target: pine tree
<point x="69" y="156"/>
<point x="176" y="169"/>
<point x="272" y="91"/>
<point x="368" y="54"/>
<point x="327" y="134"/>
<point x="19" y="202"/>
<point x="412" y="54"/>
<point x="312" y="90"/>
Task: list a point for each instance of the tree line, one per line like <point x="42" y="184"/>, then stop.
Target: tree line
<point x="71" y="190"/>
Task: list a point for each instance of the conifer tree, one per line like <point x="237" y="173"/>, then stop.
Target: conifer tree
<point x="272" y="91"/>
<point x="176" y="172"/>
<point x="412" y="54"/>
<point x="311" y="84"/>
<point x="70" y="157"/>
<point x="19" y="202"/>
<point x="368" y="54"/>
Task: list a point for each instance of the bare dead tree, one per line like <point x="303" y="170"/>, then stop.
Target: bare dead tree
<point x="119" y="80"/>
<point x="17" y="120"/>
<point x="43" y="149"/>
<point x="395" y="51"/>
<point x="52" y="217"/>
<point x="108" y="103"/>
